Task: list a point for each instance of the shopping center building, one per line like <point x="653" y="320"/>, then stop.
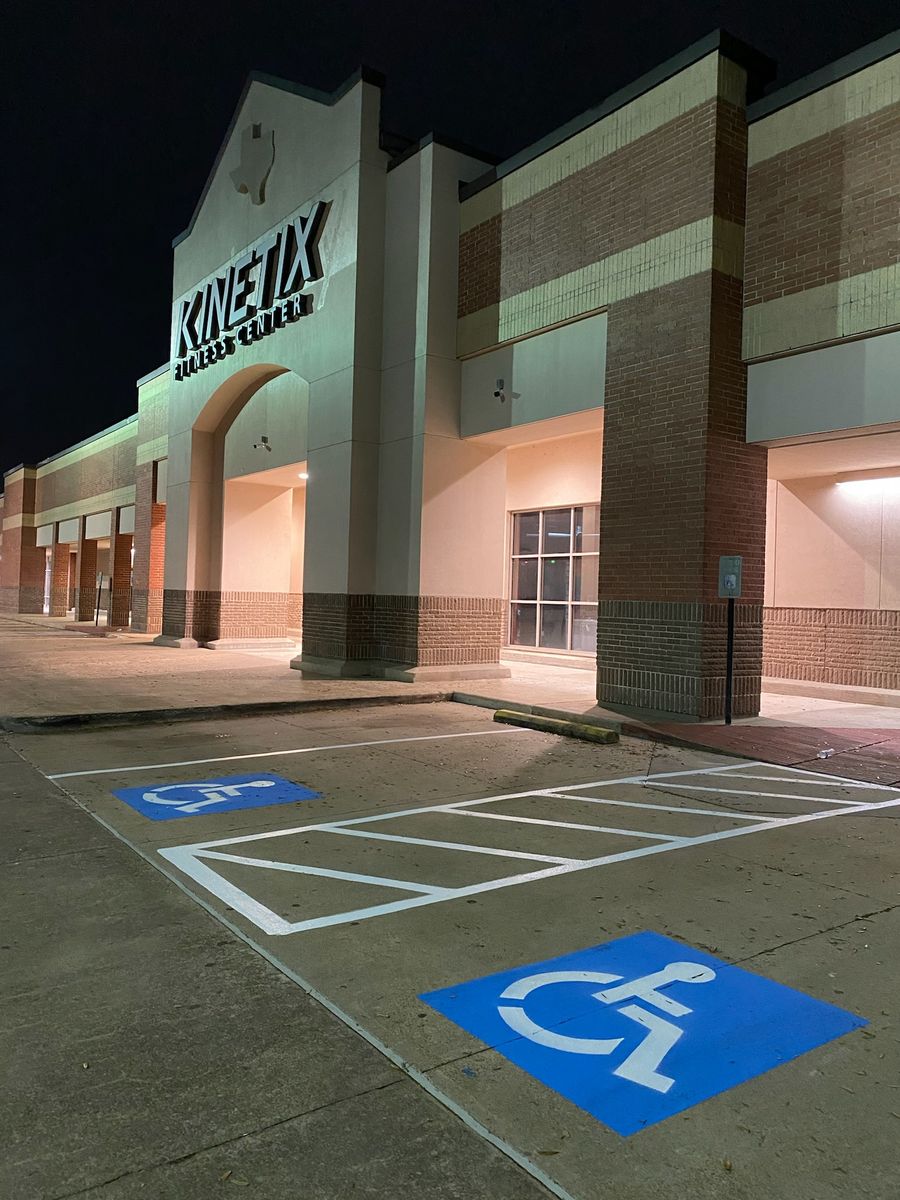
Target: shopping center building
<point x="428" y="414"/>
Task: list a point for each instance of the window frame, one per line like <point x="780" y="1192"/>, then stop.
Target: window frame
<point x="569" y="604"/>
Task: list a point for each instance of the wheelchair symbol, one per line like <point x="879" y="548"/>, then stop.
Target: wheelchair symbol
<point x="212" y="793"/>
<point x="641" y="1064"/>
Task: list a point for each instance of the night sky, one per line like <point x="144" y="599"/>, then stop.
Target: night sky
<point x="114" y="110"/>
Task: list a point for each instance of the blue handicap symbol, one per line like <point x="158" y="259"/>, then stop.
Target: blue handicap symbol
<point x="165" y="802"/>
<point x="640" y="1028"/>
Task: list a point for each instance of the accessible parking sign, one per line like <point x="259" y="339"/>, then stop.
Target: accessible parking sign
<point x="640" y="1028"/>
<point x="167" y="801"/>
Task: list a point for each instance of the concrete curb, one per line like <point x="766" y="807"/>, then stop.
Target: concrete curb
<point x="624" y="727"/>
<point x="70" y="721"/>
<point x="538" y="710"/>
<point x="573" y="729"/>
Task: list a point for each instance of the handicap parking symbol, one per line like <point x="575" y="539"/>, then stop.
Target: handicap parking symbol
<point x="640" y="1028"/>
<point x="167" y="801"/>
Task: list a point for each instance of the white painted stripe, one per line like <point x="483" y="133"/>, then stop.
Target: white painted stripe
<point x="643" y="777"/>
<point x="826" y="781"/>
<point x="197" y="762"/>
<point x="416" y="841"/>
<point x="405" y="885"/>
<point x="418" y="1077"/>
<point x="690" y="787"/>
<point x="186" y="858"/>
<point x="470" y="812"/>
<point x="667" y="808"/>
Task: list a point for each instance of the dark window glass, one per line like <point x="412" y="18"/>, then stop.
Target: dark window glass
<point x="584" y="627"/>
<point x="555" y="579"/>
<point x="525" y="576"/>
<point x="555" y="626"/>
<point x="558" y="531"/>
<point x="526" y="536"/>
<point x="584" y="580"/>
<point x="523" y="624"/>
<point x="587" y="529"/>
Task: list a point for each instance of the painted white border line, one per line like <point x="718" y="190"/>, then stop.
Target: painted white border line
<point x="420" y="1077"/>
<point x="198" y="762"/>
<point x="188" y="858"/>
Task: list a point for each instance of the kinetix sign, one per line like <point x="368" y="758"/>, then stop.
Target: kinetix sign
<point x="259" y="293"/>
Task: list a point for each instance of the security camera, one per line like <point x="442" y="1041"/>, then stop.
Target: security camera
<point x="262" y="444"/>
<point x="499" y="393"/>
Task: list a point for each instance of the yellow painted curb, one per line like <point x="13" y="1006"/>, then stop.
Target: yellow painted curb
<point x="588" y="733"/>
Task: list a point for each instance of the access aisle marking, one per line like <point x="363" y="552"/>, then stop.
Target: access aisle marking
<point x="195" y="860"/>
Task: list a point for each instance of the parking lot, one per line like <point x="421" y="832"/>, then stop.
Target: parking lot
<point x="391" y="856"/>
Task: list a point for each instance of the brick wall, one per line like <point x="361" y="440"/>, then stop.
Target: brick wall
<point x="824" y="210"/>
<point x="93" y="473"/>
<point x="406" y="631"/>
<point x="149" y="553"/>
<point x="852" y="646"/>
<point x="22" y="564"/>
<point x="651" y="186"/>
<point x="208" y="616"/>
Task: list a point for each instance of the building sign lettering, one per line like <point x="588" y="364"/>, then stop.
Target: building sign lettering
<point x="257" y="294"/>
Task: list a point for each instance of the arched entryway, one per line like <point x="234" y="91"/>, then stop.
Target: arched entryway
<point x="235" y="531"/>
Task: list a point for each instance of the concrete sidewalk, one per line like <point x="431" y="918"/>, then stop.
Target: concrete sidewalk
<point x="49" y="674"/>
<point x="149" y="1052"/>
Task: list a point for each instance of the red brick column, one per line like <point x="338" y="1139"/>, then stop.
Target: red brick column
<point x="87" y="578"/>
<point x="59" y="579"/>
<point x="120" y="571"/>
<point x="149" y="554"/>
<point x="680" y="485"/>
<point x="73" y="579"/>
<point x="22" y="563"/>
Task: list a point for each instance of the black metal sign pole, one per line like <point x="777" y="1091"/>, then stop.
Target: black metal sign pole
<point x="99" y="594"/>
<point x="729" y="660"/>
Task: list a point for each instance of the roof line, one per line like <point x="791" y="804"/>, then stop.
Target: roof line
<point x="449" y="143"/>
<point x="362" y="74"/>
<point x="94" y="437"/>
<point x="760" y="69"/>
<point x="152" y="375"/>
<point x="865" y="56"/>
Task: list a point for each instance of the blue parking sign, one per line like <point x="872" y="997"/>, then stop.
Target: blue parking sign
<point x="164" y="802"/>
<point x="640" y="1028"/>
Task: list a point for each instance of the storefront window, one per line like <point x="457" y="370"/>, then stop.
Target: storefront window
<point x="555" y="566"/>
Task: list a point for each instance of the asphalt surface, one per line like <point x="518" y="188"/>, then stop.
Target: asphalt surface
<point x="250" y="1013"/>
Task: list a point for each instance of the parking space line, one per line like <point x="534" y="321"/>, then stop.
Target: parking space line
<point x="405" y="885"/>
<point x="689" y="787"/>
<point x="670" y="808"/>
<point x="470" y="812"/>
<point x="416" y="841"/>
<point x="823" y="781"/>
<point x="189" y="859"/>
<point x="198" y="762"/>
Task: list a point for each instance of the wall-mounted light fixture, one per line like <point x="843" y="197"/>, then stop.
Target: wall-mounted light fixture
<point x="871" y="484"/>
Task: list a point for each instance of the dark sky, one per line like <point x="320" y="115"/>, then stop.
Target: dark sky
<point x="114" y="109"/>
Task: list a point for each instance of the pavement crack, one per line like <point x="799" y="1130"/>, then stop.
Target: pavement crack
<point x="258" y="1131"/>
<point x="17" y="862"/>
<point x="796" y="875"/>
<point x="867" y="916"/>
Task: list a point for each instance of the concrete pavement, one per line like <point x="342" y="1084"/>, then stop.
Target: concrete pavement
<point x="814" y="905"/>
<point x="56" y="677"/>
<point x="149" y="1052"/>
